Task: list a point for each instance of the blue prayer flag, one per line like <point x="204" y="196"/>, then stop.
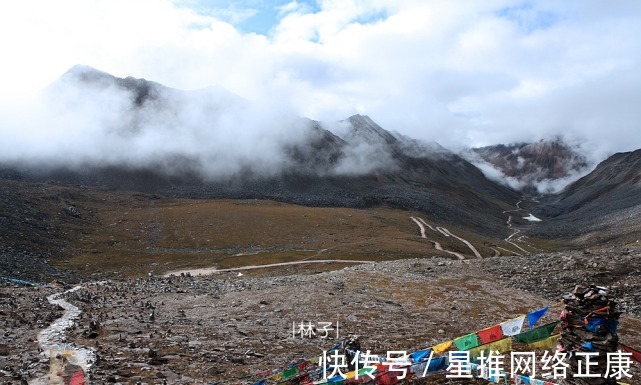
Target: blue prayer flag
<point x="418" y="356"/>
<point x="588" y="345"/>
<point x="437" y="364"/>
<point x="536" y="315"/>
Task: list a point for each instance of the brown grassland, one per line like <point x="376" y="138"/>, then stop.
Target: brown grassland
<point x="131" y="235"/>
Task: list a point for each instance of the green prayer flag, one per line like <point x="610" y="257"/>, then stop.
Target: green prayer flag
<point x="365" y="371"/>
<point x="467" y="342"/>
<point x="291" y="372"/>
<point x="538" y="334"/>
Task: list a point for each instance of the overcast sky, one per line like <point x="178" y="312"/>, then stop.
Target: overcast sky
<point x="458" y="72"/>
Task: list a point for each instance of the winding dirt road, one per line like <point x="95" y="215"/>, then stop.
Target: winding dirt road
<point x="426" y="224"/>
<point x="448" y="233"/>
<point x="509" y="251"/>
<point x="515" y="232"/>
<point x="422" y="224"/>
<point x="438" y="247"/>
<point x="212" y="270"/>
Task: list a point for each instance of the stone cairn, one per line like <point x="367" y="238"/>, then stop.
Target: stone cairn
<point x="589" y="321"/>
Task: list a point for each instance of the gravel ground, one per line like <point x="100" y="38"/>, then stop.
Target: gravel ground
<point x="203" y="330"/>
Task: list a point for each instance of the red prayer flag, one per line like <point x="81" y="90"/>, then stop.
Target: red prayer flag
<point x="302" y="365"/>
<point x="490" y="334"/>
<point x="636" y="355"/>
<point x="78" y="378"/>
<point x="385" y="376"/>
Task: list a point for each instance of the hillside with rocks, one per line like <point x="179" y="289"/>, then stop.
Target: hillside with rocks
<point x="601" y="207"/>
<point x="221" y="328"/>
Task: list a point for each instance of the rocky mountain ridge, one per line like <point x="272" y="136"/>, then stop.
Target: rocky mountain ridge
<point x="541" y="167"/>
<point x="602" y="206"/>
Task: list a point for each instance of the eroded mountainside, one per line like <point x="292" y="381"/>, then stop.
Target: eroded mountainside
<point x="603" y="206"/>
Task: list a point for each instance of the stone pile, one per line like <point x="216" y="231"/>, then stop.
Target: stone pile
<point x="590" y="320"/>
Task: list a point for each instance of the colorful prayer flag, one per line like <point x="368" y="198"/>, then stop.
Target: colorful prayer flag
<point x="467" y="342"/>
<point x="336" y="380"/>
<point x="536" y="315"/>
<point x="302" y="365"/>
<point x="418" y="356"/>
<point x="363" y="376"/>
<point x="501" y="346"/>
<point x="512" y="327"/>
<point x="478" y="372"/>
<point x="442" y="347"/>
<point x="636" y="355"/>
<point x="546" y="344"/>
<point x="490" y="334"/>
<point x="291" y="372"/>
<point x="433" y="365"/>
<point x="538" y="334"/>
<point x="385" y="376"/>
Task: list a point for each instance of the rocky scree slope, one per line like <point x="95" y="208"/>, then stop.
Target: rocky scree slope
<point x="603" y="206"/>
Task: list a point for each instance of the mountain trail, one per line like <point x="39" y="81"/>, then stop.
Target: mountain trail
<point x="509" y="251"/>
<point x="421" y="224"/>
<point x="438" y="246"/>
<point x="426" y="224"/>
<point x="448" y="233"/>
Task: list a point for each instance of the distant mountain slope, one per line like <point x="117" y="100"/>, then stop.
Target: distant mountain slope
<point x="140" y="135"/>
<point x="545" y="166"/>
<point x="603" y="205"/>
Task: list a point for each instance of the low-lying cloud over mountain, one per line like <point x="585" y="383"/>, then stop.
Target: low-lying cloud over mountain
<point x="464" y="74"/>
<point x="546" y="166"/>
<point x="96" y="129"/>
<point x="89" y="118"/>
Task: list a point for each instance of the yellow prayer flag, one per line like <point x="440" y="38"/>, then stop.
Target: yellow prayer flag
<point x="546" y="344"/>
<point x="350" y="375"/>
<point x="442" y="347"/>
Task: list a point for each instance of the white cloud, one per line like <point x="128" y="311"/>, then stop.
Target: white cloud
<point x="462" y="73"/>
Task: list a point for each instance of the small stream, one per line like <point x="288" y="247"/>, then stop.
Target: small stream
<point x="53" y="337"/>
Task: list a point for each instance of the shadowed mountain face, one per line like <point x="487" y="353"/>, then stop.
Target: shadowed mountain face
<point x="544" y="166"/>
<point x="211" y="144"/>
<point x="603" y="205"/>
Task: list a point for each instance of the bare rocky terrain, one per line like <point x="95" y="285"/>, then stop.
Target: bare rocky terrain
<point x="222" y="328"/>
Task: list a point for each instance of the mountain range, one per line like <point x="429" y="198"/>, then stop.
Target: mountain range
<point x="364" y="167"/>
<point x="136" y="135"/>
